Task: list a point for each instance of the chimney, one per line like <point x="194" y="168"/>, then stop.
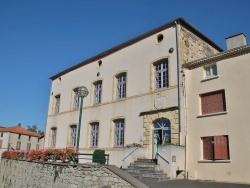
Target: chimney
<point x="236" y="41"/>
<point x="19" y="124"/>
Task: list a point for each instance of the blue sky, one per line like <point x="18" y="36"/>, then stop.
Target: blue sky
<point x="39" y="38"/>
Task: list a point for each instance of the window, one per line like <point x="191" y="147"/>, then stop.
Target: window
<point x="1" y="134"/>
<point x="18" y="145"/>
<point x="213" y="102"/>
<point x="1" y="142"/>
<point x="28" y="146"/>
<point x="211" y="71"/>
<point x="37" y="146"/>
<point x="53" y="138"/>
<point x="121" y="86"/>
<point x="57" y="104"/>
<point x="97" y="92"/>
<point x="76" y="102"/>
<point x="73" y="135"/>
<point x="119" y="133"/>
<point x="94" y="134"/>
<point x="29" y="138"/>
<point x="19" y="136"/>
<point x="215" y="148"/>
<point x="161" y="74"/>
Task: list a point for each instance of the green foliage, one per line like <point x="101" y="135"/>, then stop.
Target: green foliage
<point x="99" y="156"/>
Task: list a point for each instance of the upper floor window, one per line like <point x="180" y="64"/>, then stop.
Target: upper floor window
<point x="215" y="148"/>
<point x="53" y="137"/>
<point x="73" y="135"/>
<point x="161" y="74"/>
<point x="213" y="102"/>
<point x="121" y="86"/>
<point x="57" y="104"/>
<point x="19" y="136"/>
<point x="76" y="102"/>
<point x="29" y="138"/>
<point x="1" y="134"/>
<point x="94" y="134"/>
<point x="119" y="132"/>
<point x="97" y="92"/>
<point x="211" y="71"/>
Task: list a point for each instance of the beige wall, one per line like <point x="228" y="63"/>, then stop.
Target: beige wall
<point x="233" y="78"/>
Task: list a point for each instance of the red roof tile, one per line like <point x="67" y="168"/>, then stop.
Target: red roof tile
<point x="19" y="130"/>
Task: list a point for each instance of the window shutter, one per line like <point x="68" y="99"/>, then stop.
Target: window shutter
<point x="208" y="148"/>
<point x="1" y="144"/>
<point x="213" y="102"/>
<point x="221" y="147"/>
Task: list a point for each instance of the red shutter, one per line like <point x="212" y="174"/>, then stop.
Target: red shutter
<point x="221" y="147"/>
<point x="213" y="102"/>
<point x="207" y="148"/>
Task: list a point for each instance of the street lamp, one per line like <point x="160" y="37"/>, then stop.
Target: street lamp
<point x="82" y="92"/>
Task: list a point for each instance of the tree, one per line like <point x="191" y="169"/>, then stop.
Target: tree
<point x="33" y="128"/>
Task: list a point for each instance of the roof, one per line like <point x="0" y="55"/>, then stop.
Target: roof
<point x="19" y="130"/>
<point x="1" y="127"/>
<point x="179" y="20"/>
<point x="217" y="57"/>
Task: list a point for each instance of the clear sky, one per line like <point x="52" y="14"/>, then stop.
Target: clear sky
<point x="39" y="38"/>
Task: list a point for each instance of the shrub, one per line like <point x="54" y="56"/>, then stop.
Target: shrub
<point x="99" y="156"/>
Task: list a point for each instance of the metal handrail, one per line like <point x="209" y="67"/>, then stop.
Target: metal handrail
<point x="76" y="157"/>
<point x="162" y="158"/>
<point x="129" y="154"/>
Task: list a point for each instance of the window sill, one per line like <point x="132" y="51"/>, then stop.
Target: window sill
<point x="212" y="114"/>
<point x="209" y="78"/>
<point x="214" y="161"/>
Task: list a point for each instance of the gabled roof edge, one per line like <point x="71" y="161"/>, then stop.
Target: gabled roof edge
<point x="179" y="20"/>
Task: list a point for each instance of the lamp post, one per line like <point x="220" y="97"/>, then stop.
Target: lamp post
<point x="82" y="92"/>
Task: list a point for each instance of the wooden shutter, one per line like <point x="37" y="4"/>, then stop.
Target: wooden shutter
<point x="221" y="147"/>
<point x="213" y="102"/>
<point x="1" y="142"/>
<point x="208" y="148"/>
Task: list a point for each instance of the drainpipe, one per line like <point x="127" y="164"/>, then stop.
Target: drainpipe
<point x="178" y="78"/>
<point x="179" y="92"/>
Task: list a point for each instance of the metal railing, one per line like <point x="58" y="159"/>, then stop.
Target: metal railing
<point x="162" y="157"/>
<point x="129" y="154"/>
<point x="76" y="157"/>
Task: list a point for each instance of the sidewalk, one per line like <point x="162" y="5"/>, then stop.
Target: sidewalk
<point x="192" y="184"/>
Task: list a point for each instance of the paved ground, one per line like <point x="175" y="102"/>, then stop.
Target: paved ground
<point x="191" y="184"/>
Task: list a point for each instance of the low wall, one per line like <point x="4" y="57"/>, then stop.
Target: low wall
<point x="15" y="173"/>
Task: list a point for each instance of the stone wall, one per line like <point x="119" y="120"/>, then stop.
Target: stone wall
<point x="48" y="175"/>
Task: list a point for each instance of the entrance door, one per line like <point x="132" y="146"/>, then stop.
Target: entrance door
<point x="162" y="134"/>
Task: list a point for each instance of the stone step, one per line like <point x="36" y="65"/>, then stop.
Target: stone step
<point x="143" y="165"/>
<point x="141" y="171"/>
<point x="141" y="168"/>
<point x="149" y="175"/>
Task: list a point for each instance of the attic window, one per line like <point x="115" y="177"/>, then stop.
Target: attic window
<point x="159" y="38"/>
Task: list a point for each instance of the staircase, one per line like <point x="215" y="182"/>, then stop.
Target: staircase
<point x="146" y="168"/>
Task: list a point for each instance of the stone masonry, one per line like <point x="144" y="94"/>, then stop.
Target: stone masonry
<point x="49" y="175"/>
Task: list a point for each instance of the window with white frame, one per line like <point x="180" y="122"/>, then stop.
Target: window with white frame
<point x="94" y="134"/>
<point x="121" y="86"/>
<point x="76" y="102"/>
<point x="211" y="71"/>
<point x="73" y="135"/>
<point x="161" y="74"/>
<point x="53" y="137"/>
<point x="97" y="92"/>
<point x="119" y="133"/>
<point x="57" y="104"/>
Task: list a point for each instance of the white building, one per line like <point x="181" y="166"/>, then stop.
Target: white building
<point x="135" y="94"/>
<point x="217" y="103"/>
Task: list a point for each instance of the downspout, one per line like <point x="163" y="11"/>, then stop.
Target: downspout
<point x="179" y="93"/>
<point x="178" y="78"/>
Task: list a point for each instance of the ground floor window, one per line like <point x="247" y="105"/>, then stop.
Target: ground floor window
<point x="94" y="134"/>
<point x="119" y="133"/>
<point x="215" y="148"/>
<point x="28" y="146"/>
<point x="73" y="135"/>
<point x="18" y="145"/>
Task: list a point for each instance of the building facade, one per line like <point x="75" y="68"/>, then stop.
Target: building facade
<point x="217" y="93"/>
<point x="135" y="94"/>
<point x="18" y="138"/>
